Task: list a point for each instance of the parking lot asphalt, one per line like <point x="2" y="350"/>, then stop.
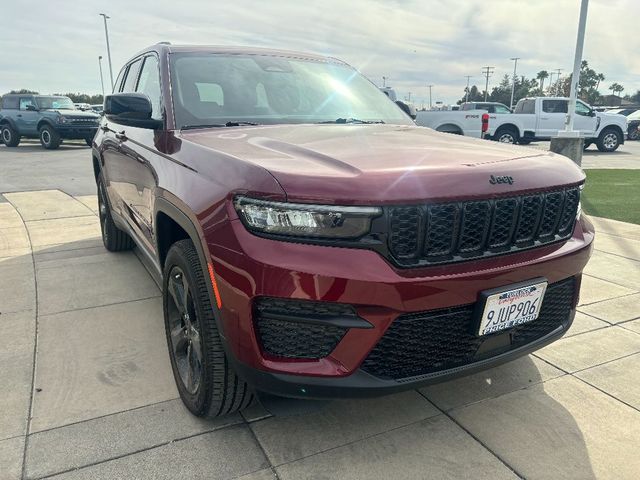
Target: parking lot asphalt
<point x="87" y="390"/>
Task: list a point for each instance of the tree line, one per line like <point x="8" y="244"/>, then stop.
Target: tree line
<point x="588" y="88"/>
<point x="75" y="97"/>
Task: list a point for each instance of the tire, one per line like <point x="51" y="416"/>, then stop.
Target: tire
<point x="609" y="140"/>
<point x="9" y="136"/>
<point x="89" y="141"/>
<point x="49" y="138"/>
<point x="506" y="135"/>
<point x="114" y="239"/>
<point x="206" y="382"/>
<point x="633" y="133"/>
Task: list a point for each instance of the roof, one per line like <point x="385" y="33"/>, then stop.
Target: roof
<point x="242" y="50"/>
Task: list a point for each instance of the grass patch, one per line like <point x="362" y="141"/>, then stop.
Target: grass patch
<point x="613" y="193"/>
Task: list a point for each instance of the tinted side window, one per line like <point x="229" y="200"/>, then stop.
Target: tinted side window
<point x="24" y="101"/>
<point x="10" y="103"/>
<point x="116" y="86"/>
<point x="149" y="84"/>
<point x="554" y="106"/>
<point x="582" y="109"/>
<point x="129" y="85"/>
<point x="526" y="106"/>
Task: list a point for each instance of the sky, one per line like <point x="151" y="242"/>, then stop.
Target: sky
<point x="412" y="42"/>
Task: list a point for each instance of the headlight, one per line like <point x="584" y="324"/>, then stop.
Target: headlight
<point x="61" y="119"/>
<point x="305" y="220"/>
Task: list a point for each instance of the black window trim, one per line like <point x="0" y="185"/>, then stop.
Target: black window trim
<point x="144" y="61"/>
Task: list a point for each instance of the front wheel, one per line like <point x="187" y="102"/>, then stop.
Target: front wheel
<point x="609" y="140"/>
<point x="506" y="135"/>
<point x="49" y="138"/>
<point x="634" y="132"/>
<point x="9" y="136"/>
<point x="206" y="381"/>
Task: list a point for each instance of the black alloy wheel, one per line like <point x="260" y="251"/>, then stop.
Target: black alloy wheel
<point x="184" y="330"/>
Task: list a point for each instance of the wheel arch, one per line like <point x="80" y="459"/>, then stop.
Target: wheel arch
<point x="617" y="129"/>
<point x="171" y="216"/>
<point x="8" y="121"/>
<point x="450" y="128"/>
<point x="45" y="121"/>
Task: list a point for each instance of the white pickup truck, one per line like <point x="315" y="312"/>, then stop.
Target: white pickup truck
<point x="472" y="123"/>
<point x="541" y="118"/>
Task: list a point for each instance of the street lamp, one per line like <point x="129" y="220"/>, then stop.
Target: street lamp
<point x="513" y="86"/>
<point x="430" y="104"/>
<point x="106" y="33"/>
<point x="101" y="77"/>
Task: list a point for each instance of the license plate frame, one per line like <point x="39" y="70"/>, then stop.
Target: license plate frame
<point x="487" y="298"/>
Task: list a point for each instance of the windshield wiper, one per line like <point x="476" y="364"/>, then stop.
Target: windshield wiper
<point x="352" y="120"/>
<point x="218" y="125"/>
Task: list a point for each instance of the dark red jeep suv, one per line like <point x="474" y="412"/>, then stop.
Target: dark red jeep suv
<point x="311" y="241"/>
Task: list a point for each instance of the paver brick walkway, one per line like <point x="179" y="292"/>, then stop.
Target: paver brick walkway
<point x="87" y="390"/>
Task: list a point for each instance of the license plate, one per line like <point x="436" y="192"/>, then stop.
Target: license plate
<point x="512" y="306"/>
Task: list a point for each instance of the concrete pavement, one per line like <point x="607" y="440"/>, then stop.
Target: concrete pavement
<point x="87" y="390"/>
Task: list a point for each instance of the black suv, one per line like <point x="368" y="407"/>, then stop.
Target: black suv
<point x="47" y="117"/>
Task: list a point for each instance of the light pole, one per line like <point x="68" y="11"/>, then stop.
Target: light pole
<point x="577" y="62"/>
<point x="558" y="86"/>
<point x="513" y="87"/>
<point x="384" y="81"/>
<point x="466" y="98"/>
<point x="430" y="104"/>
<point x="101" y="77"/>
<point x="106" y="34"/>
<point x="487" y="71"/>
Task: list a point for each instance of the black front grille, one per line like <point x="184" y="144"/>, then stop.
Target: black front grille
<point x="299" y="328"/>
<point x="426" y="342"/>
<point x="452" y="232"/>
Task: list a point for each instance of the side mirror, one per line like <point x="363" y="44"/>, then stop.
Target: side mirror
<point x="408" y="109"/>
<point x="32" y="108"/>
<point x="592" y="113"/>
<point x="130" y="109"/>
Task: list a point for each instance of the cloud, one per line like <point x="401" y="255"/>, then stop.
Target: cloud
<point x="413" y="42"/>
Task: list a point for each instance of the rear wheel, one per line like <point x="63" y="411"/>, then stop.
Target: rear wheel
<point x="114" y="239"/>
<point x="506" y="135"/>
<point x="9" y="136"/>
<point x="206" y="382"/>
<point x="49" y="138"/>
<point x="609" y="140"/>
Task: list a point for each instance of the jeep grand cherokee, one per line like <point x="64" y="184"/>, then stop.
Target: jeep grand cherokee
<point x="312" y="241"/>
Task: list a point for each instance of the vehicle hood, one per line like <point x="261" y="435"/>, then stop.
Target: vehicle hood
<point x="613" y="118"/>
<point x="378" y="164"/>
<point x="74" y="113"/>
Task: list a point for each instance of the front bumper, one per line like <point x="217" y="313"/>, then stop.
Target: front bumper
<point x="361" y="384"/>
<point x="248" y="267"/>
<point x="73" y="132"/>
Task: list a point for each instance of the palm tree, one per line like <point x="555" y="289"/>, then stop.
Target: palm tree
<point x="542" y="74"/>
<point x="616" y="88"/>
<point x="600" y="78"/>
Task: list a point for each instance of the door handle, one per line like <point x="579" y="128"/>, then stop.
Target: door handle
<point x="104" y="128"/>
<point x="19" y="115"/>
<point x="121" y="136"/>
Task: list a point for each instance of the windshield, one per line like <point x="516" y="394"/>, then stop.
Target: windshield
<point x="55" y="103"/>
<point x="213" y="89"/>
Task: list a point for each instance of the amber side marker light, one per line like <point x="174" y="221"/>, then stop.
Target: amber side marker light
<point x="212" y="275"/>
